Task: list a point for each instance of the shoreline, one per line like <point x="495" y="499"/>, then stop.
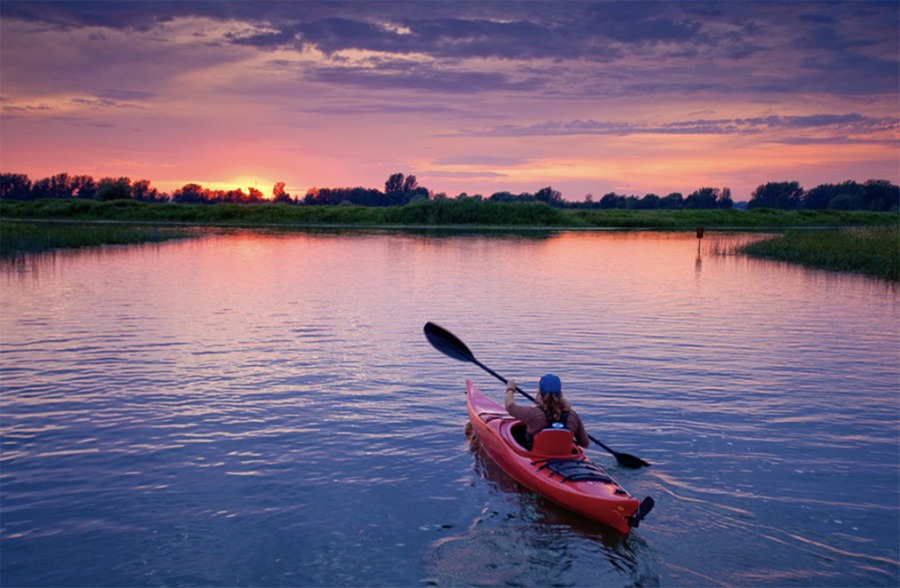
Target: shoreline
<point x="847" y="241"/>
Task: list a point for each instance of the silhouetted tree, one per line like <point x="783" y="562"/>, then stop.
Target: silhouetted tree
<point x="15" y="187"/>
<point x="280" y="195"/>
<point x="501" y="197"/>
<point x="61" y="186"/>
<point x="85" y="187"/>
<point x="190" y="194"/>
<point x="846" y="202"/>
<point x="114" y="189"/>
<point x="702" y="199"/>
<point x="673" y="201"/>
<point x="881" y="195"/>
<point x="785" y="195"/>
<point x="630" y="202"/>
<point x="548" y="195"/>
<point x="394" y="183"/>
<point x="142" y="191"/>
<point x="725" y="200"/>
<point x="819" y="197"/>
<point x="610" y="200"/>
<point x="41" y="189"/>
<point x="254" y="196"/>
<point x="410" y="183"/>
<point x="649" y="202"/>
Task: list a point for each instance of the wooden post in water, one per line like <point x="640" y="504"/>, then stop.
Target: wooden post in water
<point x="699" y="238"/>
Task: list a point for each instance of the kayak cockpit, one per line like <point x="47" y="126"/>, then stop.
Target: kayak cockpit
<point x="547" y="443"/>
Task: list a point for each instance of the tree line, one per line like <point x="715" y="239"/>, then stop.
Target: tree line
<point x="873" y="195"/>
<point x="399" y="190"/>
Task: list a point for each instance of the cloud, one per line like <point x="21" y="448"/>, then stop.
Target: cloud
<point x="102" y="103"/>
<point x="841" y="125"/>
<point x="369" y="108"/>
<point x="847" y="48"/>
<point x="419" y="78"/>
<point x="13" y="109"/>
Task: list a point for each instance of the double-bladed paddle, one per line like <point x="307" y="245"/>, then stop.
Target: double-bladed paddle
<point x="450" y="345"/>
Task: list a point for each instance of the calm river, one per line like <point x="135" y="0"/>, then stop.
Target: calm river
<point x="262" y="409"/>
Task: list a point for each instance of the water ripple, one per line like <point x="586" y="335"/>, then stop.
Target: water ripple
<point x="293" y="427"/>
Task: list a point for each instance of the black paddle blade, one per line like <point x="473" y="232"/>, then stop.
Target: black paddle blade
<point x="630" y="461"/>
<point x="624" y="459"/>
<point x="643" y="510"/>
<point x="447" y="343"/>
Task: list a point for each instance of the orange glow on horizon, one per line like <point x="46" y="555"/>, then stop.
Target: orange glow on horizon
<point x="243" y="183"/>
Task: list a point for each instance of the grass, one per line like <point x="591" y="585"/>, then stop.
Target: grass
<point x="19" y="238"/>
<point x="873" y="251"/>
<point x="435" y="213"/>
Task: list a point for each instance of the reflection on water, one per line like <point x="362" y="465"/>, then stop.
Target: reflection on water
<point x="262" y="409"/>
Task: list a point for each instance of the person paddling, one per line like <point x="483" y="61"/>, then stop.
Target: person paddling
<point x="551" y="407"/>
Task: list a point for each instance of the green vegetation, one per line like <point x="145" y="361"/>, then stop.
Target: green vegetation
<point x="466" y="212"/>
<point x="873" y="251"/>
<point x="18" y="238"/>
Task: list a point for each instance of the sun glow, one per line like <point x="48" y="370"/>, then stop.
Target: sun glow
<point x="243" y="183"/>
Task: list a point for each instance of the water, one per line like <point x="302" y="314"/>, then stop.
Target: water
<point x="261" y="409"/>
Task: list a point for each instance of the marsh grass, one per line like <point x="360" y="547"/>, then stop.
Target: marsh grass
<point x="873" y="251"/>
<point x="435" y="213"/>
<point x="19" y="238"/>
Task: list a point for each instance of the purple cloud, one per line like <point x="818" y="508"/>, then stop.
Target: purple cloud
<point x="840" y="124"/>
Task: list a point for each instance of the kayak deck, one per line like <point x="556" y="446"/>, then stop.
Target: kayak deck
<point x="565" y="477"/>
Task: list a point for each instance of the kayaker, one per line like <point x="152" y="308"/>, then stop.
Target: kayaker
<point x="551" y="407"/>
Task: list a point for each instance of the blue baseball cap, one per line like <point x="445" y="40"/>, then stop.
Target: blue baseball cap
<point x="550" y="384"/>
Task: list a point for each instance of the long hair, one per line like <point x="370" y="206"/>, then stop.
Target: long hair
<point x="554" y="406"/>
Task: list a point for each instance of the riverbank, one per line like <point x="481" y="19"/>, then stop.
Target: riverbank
<point x="467" y="213"/>
<point x="20" y="238"/>
<point x="866" y="242"/>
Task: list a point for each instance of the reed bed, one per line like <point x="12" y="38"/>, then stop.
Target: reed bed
<point x="19" y="238"/>
<point x="873" y="251"/>
<point x="435" y="213"/>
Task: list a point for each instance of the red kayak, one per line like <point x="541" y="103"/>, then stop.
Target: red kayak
<point x="555" y="467"/>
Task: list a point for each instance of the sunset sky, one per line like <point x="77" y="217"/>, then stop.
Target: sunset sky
<point x="475" y="97"/>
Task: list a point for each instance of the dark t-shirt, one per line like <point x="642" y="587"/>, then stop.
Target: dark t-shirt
<point x="535" y="420"/>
